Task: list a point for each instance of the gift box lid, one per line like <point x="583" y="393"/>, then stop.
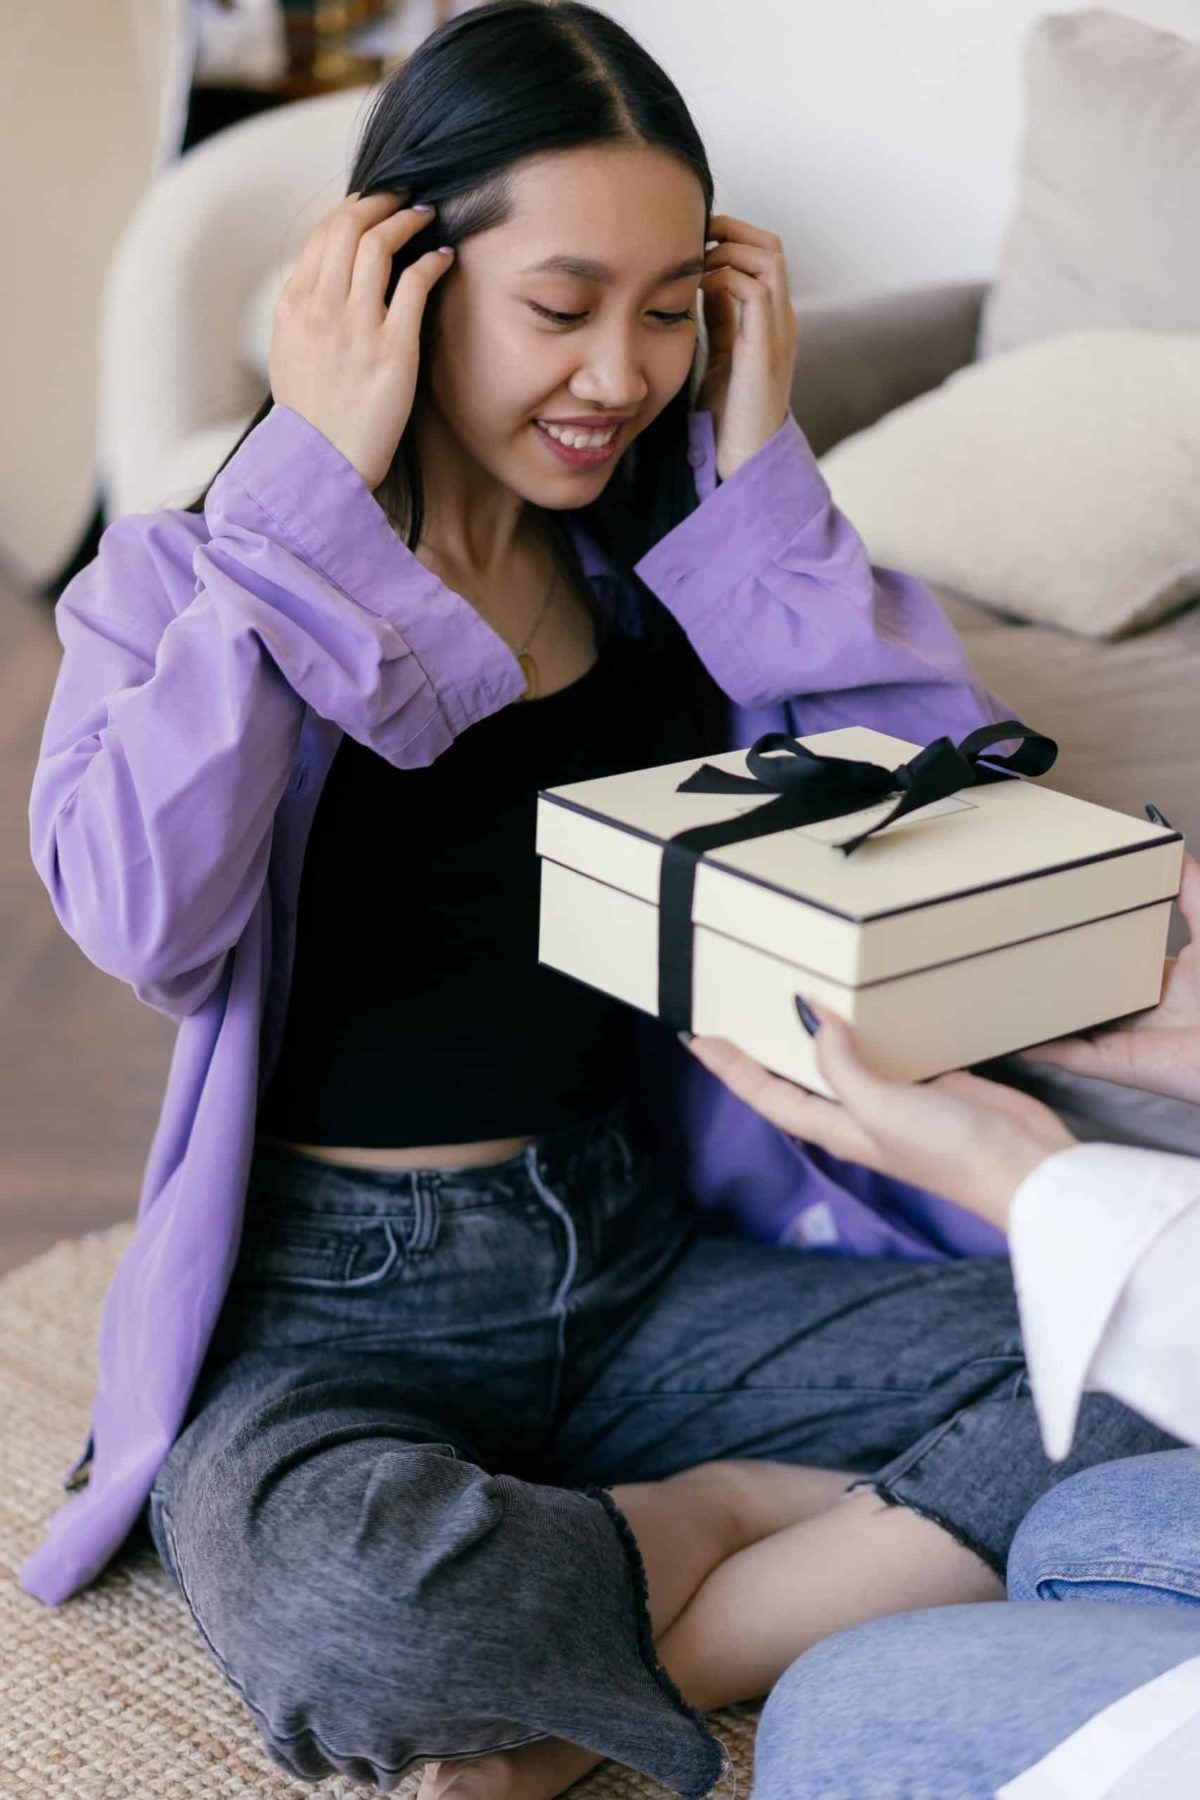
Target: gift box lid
<point x="985" y="867"/>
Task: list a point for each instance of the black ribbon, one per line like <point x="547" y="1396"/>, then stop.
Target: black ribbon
<point x="810" y="788"/>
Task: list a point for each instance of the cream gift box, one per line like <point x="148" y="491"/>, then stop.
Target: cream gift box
<point x="993" y="918"/>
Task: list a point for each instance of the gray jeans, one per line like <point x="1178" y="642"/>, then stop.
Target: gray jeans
<point x="386" y="1509"/>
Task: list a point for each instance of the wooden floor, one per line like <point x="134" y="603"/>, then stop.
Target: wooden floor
<point x="83" y="1062"/>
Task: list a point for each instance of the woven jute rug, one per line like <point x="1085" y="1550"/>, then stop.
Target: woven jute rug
<point x="112" y="1696"/>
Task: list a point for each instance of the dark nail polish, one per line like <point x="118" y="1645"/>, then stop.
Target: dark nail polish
<point x="808" y="1017"/>
<point x="685" y="1037"/>
<point x="1157" y="818"/>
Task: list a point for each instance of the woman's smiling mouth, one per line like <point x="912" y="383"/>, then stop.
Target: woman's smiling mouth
<point x="578" y="446"/>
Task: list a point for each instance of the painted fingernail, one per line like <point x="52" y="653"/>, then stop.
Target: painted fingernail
<point x="685" y="1037"/>
<point x="422" y="206"/>
<point x="1157" y="818"/>
<point x="808" y="1017"/>
<point x="446" y="249"/>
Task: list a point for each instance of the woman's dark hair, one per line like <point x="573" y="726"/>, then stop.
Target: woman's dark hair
<point x="506" y="80"/>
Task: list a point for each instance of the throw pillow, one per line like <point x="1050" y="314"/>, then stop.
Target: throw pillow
<point x="1059" y="483"/>
<point x="1105" y="230"/>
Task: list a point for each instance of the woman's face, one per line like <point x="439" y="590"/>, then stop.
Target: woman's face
<point x="502" y="358"/>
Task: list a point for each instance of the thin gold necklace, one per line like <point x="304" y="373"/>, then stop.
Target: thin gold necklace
<point x="528" y="664"/>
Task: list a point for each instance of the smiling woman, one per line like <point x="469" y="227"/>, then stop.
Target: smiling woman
<point x="545" y="368"/>
<point x="580" y="215"/>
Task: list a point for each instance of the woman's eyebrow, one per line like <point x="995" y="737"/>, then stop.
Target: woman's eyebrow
<point x="587" y="270"/>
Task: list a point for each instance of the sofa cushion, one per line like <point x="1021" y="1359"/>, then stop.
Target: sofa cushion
<point x="1059" y="483"/>
<point x="1104" y="231"/>
<point x="1124" y="715"/>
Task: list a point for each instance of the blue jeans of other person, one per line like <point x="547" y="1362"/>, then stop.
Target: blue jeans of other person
<point x="952" y="1703"/>
<point x="386" y="1508"/>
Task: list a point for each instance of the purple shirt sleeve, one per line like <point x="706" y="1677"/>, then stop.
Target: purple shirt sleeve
<point x="776" y="592"/>
<point x="172" y="730"/>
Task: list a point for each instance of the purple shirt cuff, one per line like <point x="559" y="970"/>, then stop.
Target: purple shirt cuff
<point x="317" y="505"/>
<point x="739" y="525"/>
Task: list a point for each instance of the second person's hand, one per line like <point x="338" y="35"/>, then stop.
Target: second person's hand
<point x="339" y="357"/>
<point x="958" y="1135"/>
<point x="1157" y="1050"/>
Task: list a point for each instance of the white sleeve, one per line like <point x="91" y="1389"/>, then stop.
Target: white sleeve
<point x="1105" y="1243"/>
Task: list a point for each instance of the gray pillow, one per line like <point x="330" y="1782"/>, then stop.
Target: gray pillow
<point x="1106" y="229"/>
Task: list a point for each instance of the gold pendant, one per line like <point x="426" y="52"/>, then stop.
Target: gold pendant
<point x="529" y="670"/>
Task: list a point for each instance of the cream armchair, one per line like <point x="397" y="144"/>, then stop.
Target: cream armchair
<point x="192" y="288"/>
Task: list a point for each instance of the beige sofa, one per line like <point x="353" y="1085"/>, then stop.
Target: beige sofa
<point x="1097" y="275"/>
<point x="1126" y="713"/>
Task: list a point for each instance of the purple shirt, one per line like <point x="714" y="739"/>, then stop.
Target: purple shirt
<point x="212" y="662"/>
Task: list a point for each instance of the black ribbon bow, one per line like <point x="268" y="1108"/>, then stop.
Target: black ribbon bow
<point x="810" y="787"/>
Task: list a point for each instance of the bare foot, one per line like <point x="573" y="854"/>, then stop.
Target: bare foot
<point x="534" y="1772"/>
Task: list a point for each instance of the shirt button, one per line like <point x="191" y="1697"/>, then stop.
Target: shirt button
<point x="695" y="457"/>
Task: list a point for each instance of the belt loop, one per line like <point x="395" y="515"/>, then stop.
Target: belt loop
<point x="427" y="1211"/>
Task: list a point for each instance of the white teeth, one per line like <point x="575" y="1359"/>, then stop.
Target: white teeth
<point x="579" y="440"/>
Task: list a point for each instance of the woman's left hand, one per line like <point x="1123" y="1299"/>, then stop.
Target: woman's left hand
<point x="969" y="1139"/>
<point x="747" y="383"/>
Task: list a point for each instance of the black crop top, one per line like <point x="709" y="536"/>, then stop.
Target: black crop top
<point x="418" y="1012"/>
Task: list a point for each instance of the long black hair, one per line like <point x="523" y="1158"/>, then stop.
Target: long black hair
<point x="503" y="81"/>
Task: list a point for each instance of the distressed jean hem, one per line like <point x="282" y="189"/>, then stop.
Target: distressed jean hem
<point x="713" y="1756"/>
<point x="890" y="1491"/>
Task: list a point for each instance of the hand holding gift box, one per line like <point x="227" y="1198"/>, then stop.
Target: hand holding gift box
<point x="971" y="914"/>
<point x="975" y="1141"/>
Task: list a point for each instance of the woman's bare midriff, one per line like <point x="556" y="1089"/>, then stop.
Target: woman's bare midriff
<point x="424" y="1156"/>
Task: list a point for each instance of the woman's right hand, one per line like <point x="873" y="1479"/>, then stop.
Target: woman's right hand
<point x="339" y="357"/>
<point x="1157" y="1050"/>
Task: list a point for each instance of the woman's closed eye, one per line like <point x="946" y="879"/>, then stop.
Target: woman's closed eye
<point x="565" y="318"/>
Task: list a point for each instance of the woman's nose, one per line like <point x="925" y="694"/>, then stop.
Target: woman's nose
<point x="611" y="374"/>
